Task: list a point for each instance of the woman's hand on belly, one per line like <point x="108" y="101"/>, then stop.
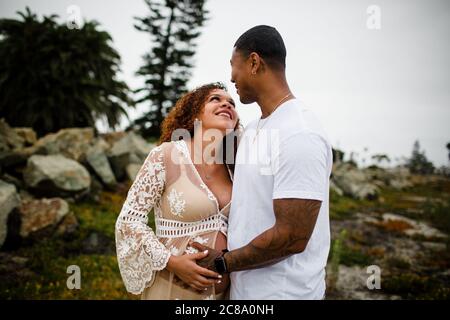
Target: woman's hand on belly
<point x="186" y="268"/>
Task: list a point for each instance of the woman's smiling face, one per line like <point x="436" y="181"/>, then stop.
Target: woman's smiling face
<point x="219" y="111"/>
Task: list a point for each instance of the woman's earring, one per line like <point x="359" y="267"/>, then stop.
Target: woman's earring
<point x="253" y="72"/>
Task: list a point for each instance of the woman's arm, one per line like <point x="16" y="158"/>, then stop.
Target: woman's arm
<point x="139" y="252"/>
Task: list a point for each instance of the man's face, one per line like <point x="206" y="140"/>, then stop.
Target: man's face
<point x="241" y="76"/>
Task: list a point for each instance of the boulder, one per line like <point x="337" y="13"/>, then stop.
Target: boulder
<point x="68" y="225"/>
<point x="354" y="183"/>
<point x="9" y="139"/>
<point x="12" y="180"/>
<point x="71" y="142"/>
<point x="336" y="189"/>
<point x="410" y="227"/>
<point x="11" y="145"/>
<point x="9" y="199"/>
<point x="54" y="175"/>
<point x="132" y="170"/>
<point x="129" y="149"/>
<point x="397" y="178"/>
<point x="10" y="158"/>
<point x="98" y="162"/>
<point x="400" y="178"/>
<point x="28" y="135"/>
<point x="112" y="137"/>
<point x="38" y="216"/>
<point x="100" y="144"/>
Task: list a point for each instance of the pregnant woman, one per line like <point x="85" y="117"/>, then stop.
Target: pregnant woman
<point x="189" y="192"/>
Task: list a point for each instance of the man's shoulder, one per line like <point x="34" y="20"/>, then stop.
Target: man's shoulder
<point x="303" y="129"/>
<point x="296" y="116"/>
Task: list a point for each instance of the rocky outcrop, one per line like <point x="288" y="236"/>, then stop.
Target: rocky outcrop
<point x="27" y="134"/>
<point x="353" y="182"/>
<point x="72" y="143"/>
<point x="397" y="178"/>
<point x="11" y="146"/>
<point x="129" y="149"/>
<point x="365" y="183"/>
<point x="98" y="162"/>
<point x="56" y="175"/>
<point x="68" y="225"/>
<point x="132" y="170"/>
<point x="9" y="139"/>
<point x="40" y="177"/>
<point x="409" y="226"/>
<point x="37" y="216"/>
<point x="9" y="199"/>
<point x="111" y="157"/>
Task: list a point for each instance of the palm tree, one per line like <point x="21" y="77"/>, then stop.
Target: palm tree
<point x="52" y="77"/>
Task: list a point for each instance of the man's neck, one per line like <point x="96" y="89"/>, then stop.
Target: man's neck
<point x="275" y="93"/>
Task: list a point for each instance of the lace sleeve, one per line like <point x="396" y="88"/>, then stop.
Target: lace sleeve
<point x="139" y="252"/>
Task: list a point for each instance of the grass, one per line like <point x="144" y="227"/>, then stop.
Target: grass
<point x="428" y="202"/>
<point x="351" y="256"/>
<point x="398" y="263"/>
<point x="415" y="286"/>
<point x="348" y="255"/>
<point x="438" y="214"/>
<point x="100" y="279"/>
<point x="49" y="258"/>
<point x="343" y="207"/>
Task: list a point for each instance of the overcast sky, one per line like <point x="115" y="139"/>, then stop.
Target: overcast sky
<point x="379" y="89"/>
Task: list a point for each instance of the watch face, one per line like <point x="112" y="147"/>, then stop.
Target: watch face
<point x="220" y="264"/>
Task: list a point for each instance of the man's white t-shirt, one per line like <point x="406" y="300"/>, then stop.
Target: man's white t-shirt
<point x="290" y="157"/>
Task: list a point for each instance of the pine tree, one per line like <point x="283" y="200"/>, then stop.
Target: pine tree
<point x="448" y="148"/>
<point x="173" y="26"/>
<point x="418" y="163"/>
<point x="53" y="77"/>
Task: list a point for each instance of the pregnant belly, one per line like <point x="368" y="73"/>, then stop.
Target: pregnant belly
<point x="221" y="243"/>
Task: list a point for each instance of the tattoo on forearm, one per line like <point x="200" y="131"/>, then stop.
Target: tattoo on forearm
<point x="295" y="221"/>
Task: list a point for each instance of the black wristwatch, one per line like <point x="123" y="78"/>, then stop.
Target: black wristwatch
<point x="220" y="263"/>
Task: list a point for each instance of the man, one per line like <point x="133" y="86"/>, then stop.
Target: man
<point x="278" y="234"/>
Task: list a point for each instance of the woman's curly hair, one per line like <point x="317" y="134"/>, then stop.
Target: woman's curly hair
<point x="187" y="108"/>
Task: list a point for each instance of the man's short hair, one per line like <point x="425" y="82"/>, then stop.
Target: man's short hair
<point x="267" y="42"/>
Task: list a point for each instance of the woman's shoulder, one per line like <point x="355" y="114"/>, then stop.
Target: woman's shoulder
<point x="168" y="149"/>
<point x="164" y="146"/>
<point x="168" y="146"/>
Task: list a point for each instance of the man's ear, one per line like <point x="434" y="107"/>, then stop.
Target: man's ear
<point x="256" y="63"/>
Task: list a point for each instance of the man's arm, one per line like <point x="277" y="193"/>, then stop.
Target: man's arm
<point x="295" y="221"/>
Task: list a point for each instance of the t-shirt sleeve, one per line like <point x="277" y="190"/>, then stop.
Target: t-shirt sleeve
<point x="301" y="168"/>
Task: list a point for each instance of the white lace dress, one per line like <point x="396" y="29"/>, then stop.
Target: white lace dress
<point x="185" y="209"/>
